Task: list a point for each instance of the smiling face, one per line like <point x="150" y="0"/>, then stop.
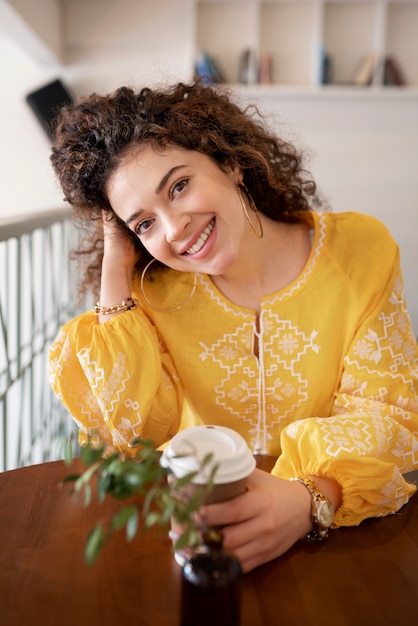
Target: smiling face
<point x="185" y="210"/>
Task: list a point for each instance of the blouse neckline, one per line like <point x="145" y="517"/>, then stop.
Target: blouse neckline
<point x="318" y="221"/>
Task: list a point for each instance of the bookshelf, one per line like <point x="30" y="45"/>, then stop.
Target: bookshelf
<point x="312" y="43"/>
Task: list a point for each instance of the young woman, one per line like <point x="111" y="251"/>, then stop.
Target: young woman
<point x="226" y="299"/>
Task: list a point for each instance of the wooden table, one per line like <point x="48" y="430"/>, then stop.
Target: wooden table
<point x="364" y="576"/>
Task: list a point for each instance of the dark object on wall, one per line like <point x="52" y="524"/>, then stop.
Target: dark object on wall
<point x="46" y="103"/>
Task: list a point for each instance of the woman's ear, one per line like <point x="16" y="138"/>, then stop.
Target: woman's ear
<point x="237" y="174"/>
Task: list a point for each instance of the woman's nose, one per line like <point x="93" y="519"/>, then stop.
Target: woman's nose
<point x="175" y="226"/>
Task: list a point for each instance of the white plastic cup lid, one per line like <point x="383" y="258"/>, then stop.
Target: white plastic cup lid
<point x="229" y="450"/>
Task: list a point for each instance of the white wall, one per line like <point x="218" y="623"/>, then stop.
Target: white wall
<point x="37" y="24"/>
<point x="363" y="148"/>
<point x="26" y="179"/>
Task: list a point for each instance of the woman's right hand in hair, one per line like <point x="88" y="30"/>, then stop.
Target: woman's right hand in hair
<point x="119" y="247"/>
<point x="120" y="256"/>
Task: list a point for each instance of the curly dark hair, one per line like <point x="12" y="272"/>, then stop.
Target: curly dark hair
<point x="95" y="133"/>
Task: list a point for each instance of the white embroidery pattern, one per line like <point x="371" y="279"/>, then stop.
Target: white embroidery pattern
<point x="109" y="396"/>
<point x="373" y="411"/>
<point x="246" y="382"/>
<point x="392" y="338"/>
<point x="393" y="493"/>
<point x="369" y="422"/>
<point x="281" y="345"/>
<point x="82" y="398"/>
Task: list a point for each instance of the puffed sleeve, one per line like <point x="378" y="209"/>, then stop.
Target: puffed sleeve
<point x="116" y="380"/>
<point x="371" y="438"/>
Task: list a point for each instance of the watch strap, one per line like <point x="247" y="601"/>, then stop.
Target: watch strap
<point x="319" y="531"/>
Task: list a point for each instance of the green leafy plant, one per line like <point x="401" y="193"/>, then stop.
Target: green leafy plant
<point x="162" y="497"/>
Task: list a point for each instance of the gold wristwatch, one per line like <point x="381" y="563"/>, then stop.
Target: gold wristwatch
<point x="322" y="511"/>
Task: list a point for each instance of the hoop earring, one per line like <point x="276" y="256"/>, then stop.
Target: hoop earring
<point x="259" y="233"/>
<point x="155" y="306"/>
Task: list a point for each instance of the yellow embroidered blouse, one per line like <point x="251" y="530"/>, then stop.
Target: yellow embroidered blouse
<point x="333" y="390"/>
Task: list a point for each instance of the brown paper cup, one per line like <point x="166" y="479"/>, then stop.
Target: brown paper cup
<point x="230" y="454"/>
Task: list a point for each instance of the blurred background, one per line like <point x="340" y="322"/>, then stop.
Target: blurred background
<point x="340" y="78"/>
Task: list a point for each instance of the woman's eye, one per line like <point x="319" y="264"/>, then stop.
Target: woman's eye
<point x="142" y="227"/>
<point x="178" y="187"/>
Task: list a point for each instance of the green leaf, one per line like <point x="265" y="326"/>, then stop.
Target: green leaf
<point x="152" y="495"/>
<point x="71" y="478"/>
<point x="132" y="525"/>
<point x="123" y="516"/>
<point x="185" y="480"/>
<point x="207" y="459"/>
<point x="94" y="545"/>
<point x="85" y="478"/>
<point x="87" y="495"/>
<point x="121" y="491"/>
<point x="152" y="519"/>
<point x="114" y="466"/>
<point x="90" y="455"/>
<point x="188" y="538"/>
<point x="103" y="483"/>
<point x="68" y="452"/>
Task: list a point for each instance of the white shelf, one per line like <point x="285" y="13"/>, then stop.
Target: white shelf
<point x="295" y="33"/>
<point x="271" y="92"/>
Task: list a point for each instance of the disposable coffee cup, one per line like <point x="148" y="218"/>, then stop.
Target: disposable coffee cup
<point x="230" y="455"/>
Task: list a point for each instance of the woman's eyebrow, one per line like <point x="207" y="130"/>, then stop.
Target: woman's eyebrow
<point x="133" y="217"/>
<point x="165" y="178"/>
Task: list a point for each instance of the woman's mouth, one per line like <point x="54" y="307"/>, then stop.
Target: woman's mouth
<point x="196" y="247"/>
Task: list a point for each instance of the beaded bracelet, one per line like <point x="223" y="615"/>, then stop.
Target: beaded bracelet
<point x="125" y="305"/>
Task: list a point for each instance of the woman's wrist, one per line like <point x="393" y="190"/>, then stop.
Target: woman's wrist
<point x="126" y="305"/>
<point x="115" y="292"/>
<point x="330" y="488"/>
<point x="327" y="487"/>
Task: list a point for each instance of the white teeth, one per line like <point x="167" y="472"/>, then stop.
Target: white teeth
<point x="202" y="239"/>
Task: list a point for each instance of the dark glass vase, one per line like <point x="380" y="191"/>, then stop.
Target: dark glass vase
<point x="210" y="588"/>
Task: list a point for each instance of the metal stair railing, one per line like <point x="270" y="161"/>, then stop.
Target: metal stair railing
<point x="37" y="295"/>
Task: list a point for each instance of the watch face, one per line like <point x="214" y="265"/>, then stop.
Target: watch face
<point x="325" y="514"/>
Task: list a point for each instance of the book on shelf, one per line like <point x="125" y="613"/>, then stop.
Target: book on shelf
<point x="265" y="74"/>
<point x="365" y="69"/>
<point x="208" y="70"/>
<point x="248" y="68"/>
<point x="325" y="67"/>
<point x="391" y="72"/>
<point x="383" y="71"/>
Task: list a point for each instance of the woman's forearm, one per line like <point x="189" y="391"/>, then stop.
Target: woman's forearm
<point x="115" y="287"/>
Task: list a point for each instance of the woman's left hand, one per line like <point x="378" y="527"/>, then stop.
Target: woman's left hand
<point x="264" y="522"/>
